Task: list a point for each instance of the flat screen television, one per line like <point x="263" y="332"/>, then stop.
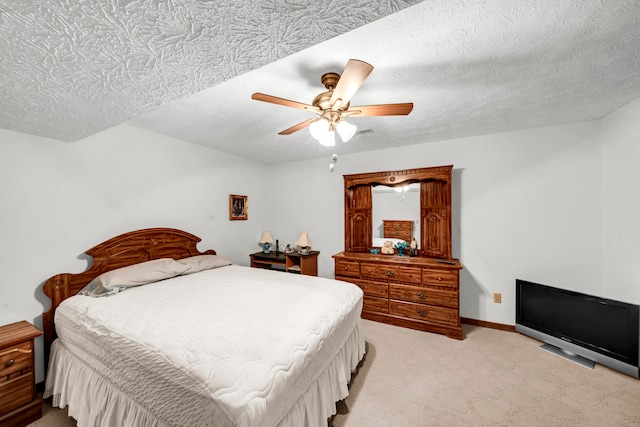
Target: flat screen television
<point x="580" y="326"/>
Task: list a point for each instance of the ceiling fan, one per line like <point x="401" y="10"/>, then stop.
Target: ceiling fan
<point x="334" y="105"/>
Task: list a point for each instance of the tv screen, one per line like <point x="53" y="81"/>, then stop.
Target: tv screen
<point x="601" y="325"/>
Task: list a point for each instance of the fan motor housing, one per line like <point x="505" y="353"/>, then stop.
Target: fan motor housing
<point x="323" y="101"/>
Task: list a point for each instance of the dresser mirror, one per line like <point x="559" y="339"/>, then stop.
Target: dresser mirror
<point x="431" y="214"/>
<point x="394" y="203"/>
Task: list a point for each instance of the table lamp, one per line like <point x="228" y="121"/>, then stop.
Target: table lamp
<point x="304" y="244"/>
<point x="266" y="240"/>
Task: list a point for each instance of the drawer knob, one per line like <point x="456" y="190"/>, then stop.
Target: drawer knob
<point x="346" y="268"/>
<point x="422" y="312"/>
<point x="9" y="363"/>
<point x="439" y="278"/>
<point x="422" y="295"/>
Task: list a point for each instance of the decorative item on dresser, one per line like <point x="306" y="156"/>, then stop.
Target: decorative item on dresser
<point x="420" y="292"/>
<point x="19" y="405"/>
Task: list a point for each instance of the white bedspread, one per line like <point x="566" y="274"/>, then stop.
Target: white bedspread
<point x="233" y="346"/>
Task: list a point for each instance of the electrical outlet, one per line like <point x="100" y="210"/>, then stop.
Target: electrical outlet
<point x="497" y="298"/>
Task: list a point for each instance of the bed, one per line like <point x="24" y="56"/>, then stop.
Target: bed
<point x="219" y="345"/>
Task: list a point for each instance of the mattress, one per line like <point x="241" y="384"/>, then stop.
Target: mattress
<point x="232" y="346"/>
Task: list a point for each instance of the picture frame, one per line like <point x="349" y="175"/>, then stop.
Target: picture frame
<point x="238" y="207"/>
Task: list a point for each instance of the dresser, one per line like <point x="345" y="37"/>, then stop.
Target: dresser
<point x="421" y="292"/>
<point x="19" y="405"/>
<point x="418" y="293"/>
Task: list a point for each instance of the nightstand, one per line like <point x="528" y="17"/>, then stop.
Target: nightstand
<point x="290" y="262"/>
<point x="19" y="405"/>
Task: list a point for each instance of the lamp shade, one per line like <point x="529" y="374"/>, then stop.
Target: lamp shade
<point x="303" y="241"/>
<point x="329" y="139"/>
<point x="346" y="130"/>
<point x="266" y="237"/>
<point x="319" y="128"/>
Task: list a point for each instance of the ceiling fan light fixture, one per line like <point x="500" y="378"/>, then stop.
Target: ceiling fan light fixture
<point x="319" y="128"/>
<point x="346" y="130"/>
<point x="329" y="139"/>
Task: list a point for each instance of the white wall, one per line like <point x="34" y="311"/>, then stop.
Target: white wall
<point x="60" y="199"/>
<point x="556" y="205"/>
<point x="621" y="203"/>
<point x="526" y="205"/>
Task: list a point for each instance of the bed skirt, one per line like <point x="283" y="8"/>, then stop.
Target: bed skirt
<point x="71" y="382"/>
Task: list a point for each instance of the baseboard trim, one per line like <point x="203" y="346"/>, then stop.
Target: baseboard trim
<point x="485" y="324"/>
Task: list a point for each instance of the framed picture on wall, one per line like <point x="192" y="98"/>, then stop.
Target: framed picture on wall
<point x="238" y="206"/>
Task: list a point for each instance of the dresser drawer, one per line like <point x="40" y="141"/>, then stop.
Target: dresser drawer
<point x="379" y="271"/>
<point x="15" y="393"/>
<point x="447" y="278"/>
<point x="347" y="268"/>
<point x="14" y="360"/>
<point x="378" y="305"/>
<point x="410" y="275"/>
<point x="429" y="313"/>
<point x="423" y="296"/>
<point x="375" y="289"/>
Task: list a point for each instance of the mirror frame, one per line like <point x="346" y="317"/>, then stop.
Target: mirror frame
<point x="435" y="208"/>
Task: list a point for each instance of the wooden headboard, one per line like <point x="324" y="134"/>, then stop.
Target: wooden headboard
<point x="120" y="251"/>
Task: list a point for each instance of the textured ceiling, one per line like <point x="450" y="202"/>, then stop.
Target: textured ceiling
<point x="71" y="68"/>
<point x="188" y="69"/>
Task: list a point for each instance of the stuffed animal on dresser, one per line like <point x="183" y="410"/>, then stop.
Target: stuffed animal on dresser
<point x="387" y="248"/>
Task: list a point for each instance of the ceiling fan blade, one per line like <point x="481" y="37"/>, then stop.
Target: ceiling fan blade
<point x="379" y="110"/>
<point x="297" y="127"/>
<point x="281" y="101"/>
<point x="353" y="76"/>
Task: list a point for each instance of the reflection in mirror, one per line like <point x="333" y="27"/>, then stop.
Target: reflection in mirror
<point x="394" y="203"/>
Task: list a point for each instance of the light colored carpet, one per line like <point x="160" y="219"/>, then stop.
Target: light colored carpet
<point x="491" y="378"/>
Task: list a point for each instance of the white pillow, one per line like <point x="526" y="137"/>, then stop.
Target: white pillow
<point x="203" y="262"/>
<point x="114" y="281"/>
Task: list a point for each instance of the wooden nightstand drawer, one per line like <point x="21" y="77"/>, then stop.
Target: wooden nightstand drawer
<point x="347" y="268"/>
<point x="16" y="393"/>
<point x="15" y="361"/>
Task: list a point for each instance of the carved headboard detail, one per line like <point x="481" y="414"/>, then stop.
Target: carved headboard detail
<point x="120" y="251"/>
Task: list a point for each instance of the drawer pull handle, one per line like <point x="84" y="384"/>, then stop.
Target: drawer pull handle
<point x="9" y="363"/>
<point x="422" y="312"/>
<point x="422" y="295"/>
<point x="388" y="273"/>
